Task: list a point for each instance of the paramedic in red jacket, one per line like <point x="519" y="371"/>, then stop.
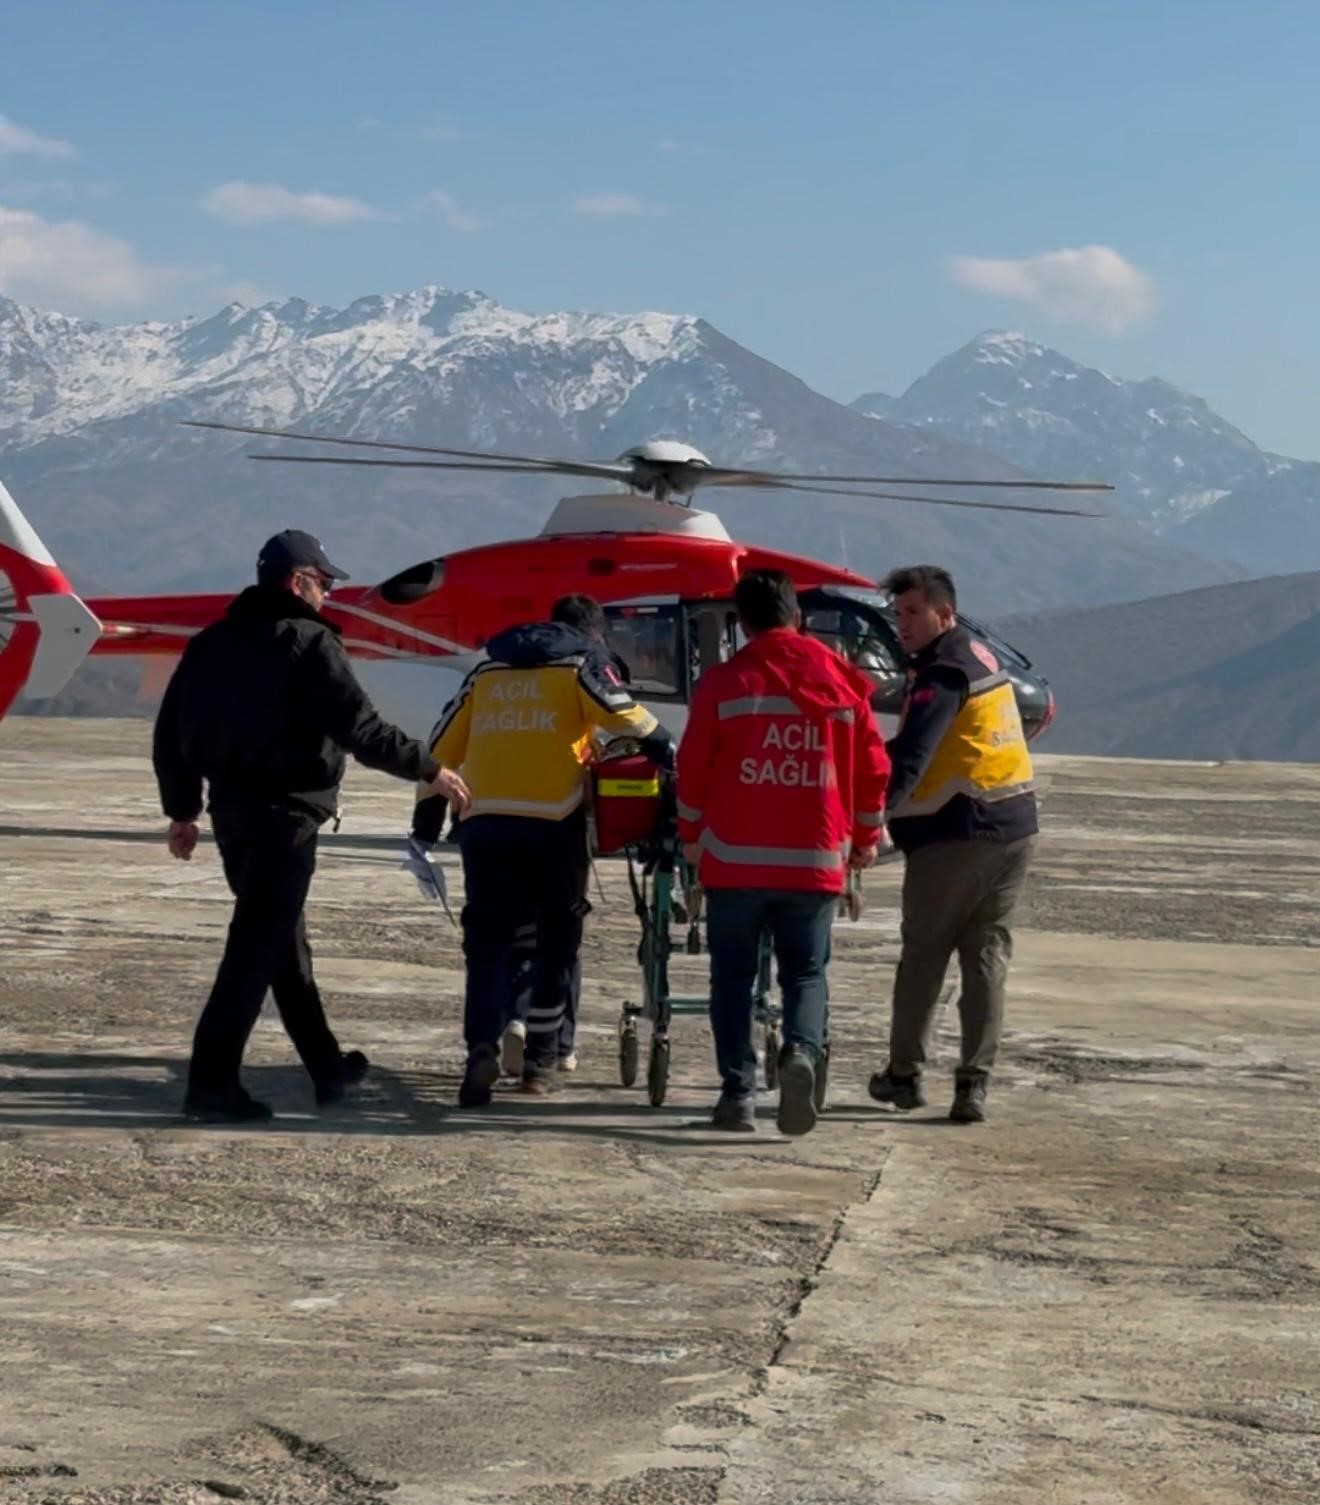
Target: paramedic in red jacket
<point x="781" y="787"/>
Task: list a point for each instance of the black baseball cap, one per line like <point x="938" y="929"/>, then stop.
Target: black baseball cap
<point x="294" y="550"/>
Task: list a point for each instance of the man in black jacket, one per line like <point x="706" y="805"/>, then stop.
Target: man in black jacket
<point x="263" y="708"/>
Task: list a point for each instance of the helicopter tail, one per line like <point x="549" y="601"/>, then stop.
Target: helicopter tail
<point x="45" y="628"/>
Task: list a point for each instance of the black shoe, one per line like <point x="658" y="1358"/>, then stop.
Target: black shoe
<point x="735" y="1115"/>
<point x="969" y="1102"/>
<point x="901" y="1093"/>
<point x="353" y="1066"/>
<point x="232" y="1106"/>
<point x="483" y="1071"/>
<point x="797" y="1092"/>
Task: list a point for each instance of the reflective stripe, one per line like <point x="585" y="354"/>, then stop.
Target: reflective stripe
<point x="542" y="809"/>
<point x="962" y="786"/>
<point x="871" y="818"/>
<point x="759" y="705"/>
<point x="990" y="682"/>
<point x="686" y="812"/>
<point x="830" y="860"/>
<point x="774" y="705"/>
<point x="629" y="788"/>
<point x="453" y="708"/>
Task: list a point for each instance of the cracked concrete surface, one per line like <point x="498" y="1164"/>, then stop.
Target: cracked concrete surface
<point x="1107" y="1294"/>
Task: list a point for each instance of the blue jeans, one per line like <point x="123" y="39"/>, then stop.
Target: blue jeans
<point x="800" y="926"/>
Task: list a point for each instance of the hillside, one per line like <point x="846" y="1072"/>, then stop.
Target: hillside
<point x="1228" y="672"/>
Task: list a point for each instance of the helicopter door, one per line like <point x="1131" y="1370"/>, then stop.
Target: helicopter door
<point x="650" y="639"/>
<point x="712" y="635"/>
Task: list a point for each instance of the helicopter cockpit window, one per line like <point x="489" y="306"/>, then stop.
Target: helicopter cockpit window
<point x="853" y="637"/>
<point x="648" y="639"/>
<point x="858" y="630"/>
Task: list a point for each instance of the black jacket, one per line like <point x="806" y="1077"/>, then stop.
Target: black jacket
<point x="263" y="707"/>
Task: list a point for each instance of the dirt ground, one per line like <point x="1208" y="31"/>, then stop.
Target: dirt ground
<point x="1109" y="1293"/>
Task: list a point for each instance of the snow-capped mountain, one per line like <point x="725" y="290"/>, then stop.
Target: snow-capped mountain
<point x="91" y="441"/>
<point x="1179" y="468"/>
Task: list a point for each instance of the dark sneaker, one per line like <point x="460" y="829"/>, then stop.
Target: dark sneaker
<point x="736" y="1115"/>
<point x="353" y="1066"/>
<point x="233" y="1106"/>
<point x="901" y="1093"/>
<point x="535" y="1084"/>
<point x="969" y="1102"/>
<point x="797" y="1092"/>
<point x="483" y="1071"/>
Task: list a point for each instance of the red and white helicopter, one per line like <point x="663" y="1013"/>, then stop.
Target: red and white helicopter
<point x="664" y="571"/>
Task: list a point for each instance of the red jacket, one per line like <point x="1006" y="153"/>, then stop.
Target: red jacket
<point x="781" y="771"/>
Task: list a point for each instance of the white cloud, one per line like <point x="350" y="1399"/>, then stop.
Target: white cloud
<point x="456" y="217"/>
<point x="240" y="203"/>
<point x="16" y="139"/>
<point x="1088" y="285"/>
<point x="70" y="265"/>
<point x="616" y="205"/>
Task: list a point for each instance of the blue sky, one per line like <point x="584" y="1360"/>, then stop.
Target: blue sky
<point x="853" y="190"/>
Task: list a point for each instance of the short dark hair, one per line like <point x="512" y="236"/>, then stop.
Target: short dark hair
<point x="581" y="612"/>
<point x="765" y="600"/>
<point x="932" y="580"/>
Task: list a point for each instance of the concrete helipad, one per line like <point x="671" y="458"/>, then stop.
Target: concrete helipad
<point x="1109" y="1293"/>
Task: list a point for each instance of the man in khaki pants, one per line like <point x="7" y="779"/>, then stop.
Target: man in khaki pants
<point x="962" y="809"/>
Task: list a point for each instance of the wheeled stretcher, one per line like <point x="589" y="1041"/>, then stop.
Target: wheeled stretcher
<point x="634" y="814"/>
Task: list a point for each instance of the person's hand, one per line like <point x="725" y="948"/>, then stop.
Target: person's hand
<point x="448" y="784"/>
<point x="861" y="857"/>
<point x="183" y="839"/>
<point x="692" y="854"/>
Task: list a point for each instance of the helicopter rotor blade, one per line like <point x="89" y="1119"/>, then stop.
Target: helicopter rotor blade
<point x="715" y="475"/>
<point x="592" y="472"/>
<point x="539" y="461"/>
<point x="937" y="501"/>
<point x="693" y="474"/>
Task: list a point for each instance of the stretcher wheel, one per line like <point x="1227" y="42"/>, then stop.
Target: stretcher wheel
<point x="657" y="1070"/>
<point x="772" y="1047"/>
<point x="855" y="903"/>
<point x="821" y="1095"/>
<point x="629" y="1052"/>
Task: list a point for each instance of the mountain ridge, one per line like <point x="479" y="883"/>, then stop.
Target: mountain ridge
<point x="92" y="444"/>
<point x="1181" y="470"/>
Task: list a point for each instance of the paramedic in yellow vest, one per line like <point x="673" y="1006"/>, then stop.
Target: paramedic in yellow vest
<point x="521" y="728"/>
<point x="962" y="809"/>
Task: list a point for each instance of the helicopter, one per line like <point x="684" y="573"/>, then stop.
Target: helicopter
<point x="664" y="571"/>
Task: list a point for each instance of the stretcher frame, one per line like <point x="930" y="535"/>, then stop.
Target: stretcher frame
<point x="667" y="898"/>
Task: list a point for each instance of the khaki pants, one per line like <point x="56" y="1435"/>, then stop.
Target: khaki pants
<point x="958" y="896"/>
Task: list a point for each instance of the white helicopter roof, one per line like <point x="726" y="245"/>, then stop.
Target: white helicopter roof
<point x="631" y="514"/>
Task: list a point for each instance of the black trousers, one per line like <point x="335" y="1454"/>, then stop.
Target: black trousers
<point x="269" y="857"/>
<point x="524" y="980"/>
<point x="515" y="868"/>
